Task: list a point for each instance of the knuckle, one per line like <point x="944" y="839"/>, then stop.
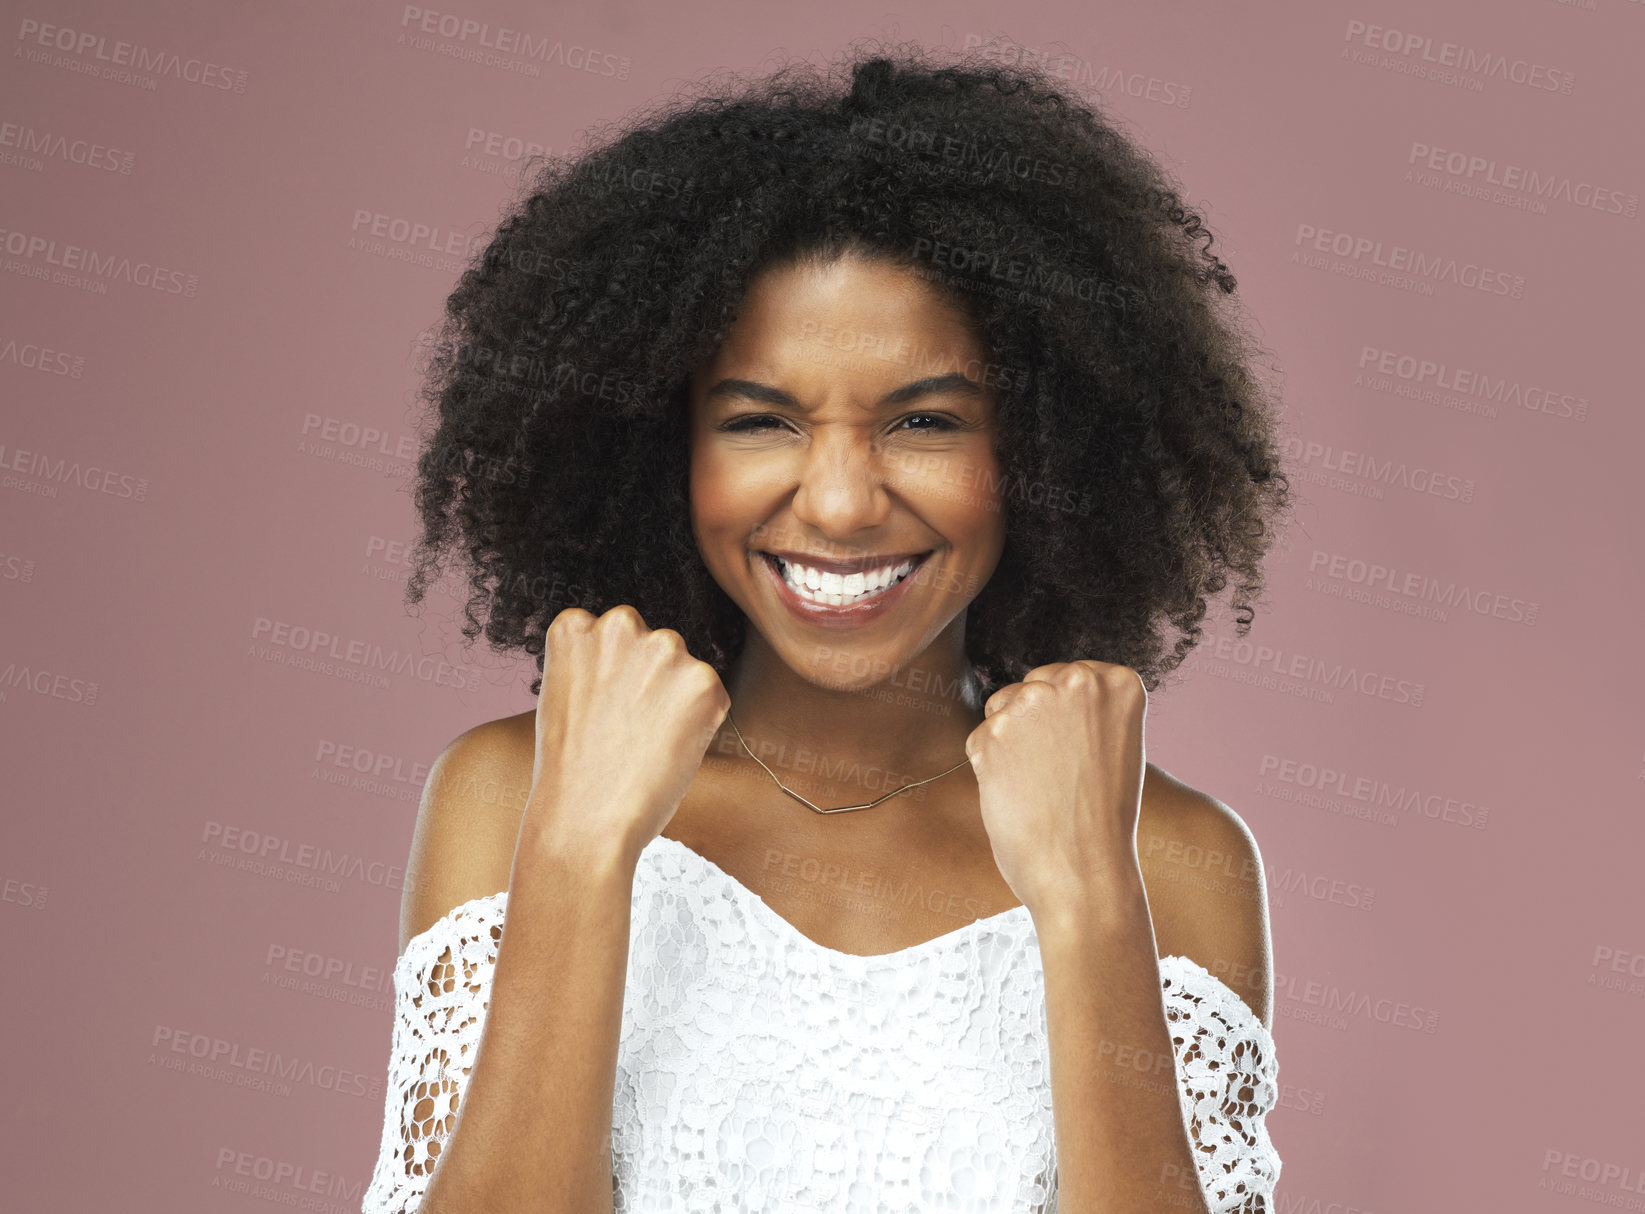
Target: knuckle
<point x="570" y="617"/>
<point x="1083" y="674"/>
<point x="624" y="615"/>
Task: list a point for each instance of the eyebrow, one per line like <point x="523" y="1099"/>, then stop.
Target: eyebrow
<point x="748" y="389"/>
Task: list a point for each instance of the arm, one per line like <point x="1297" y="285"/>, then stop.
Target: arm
<point x="534" y="1131"/>
<point x="1159" y="1096"/>
<point x="506" y="1034"/>
<point x="1120" y="1131"/>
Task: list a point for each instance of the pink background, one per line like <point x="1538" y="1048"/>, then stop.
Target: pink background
<point x="191" y="466"/>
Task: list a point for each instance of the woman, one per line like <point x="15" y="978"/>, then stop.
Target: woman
<point x="845" y="453"/>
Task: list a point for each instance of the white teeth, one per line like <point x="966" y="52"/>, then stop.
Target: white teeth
<point x="837" y="590"/>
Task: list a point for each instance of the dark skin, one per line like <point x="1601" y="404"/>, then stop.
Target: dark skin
<point x="847" y="414"/>
<point x="1210" y="927"/>
<point x="843" y="475"/>
<point x="838" y="342"/>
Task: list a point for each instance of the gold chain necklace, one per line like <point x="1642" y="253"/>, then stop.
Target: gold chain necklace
<point x="838" y="809"/>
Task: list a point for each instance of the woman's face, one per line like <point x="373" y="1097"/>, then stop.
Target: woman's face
<point x="847" y="419"/>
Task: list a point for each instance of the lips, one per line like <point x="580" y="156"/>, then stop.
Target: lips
<point x="851" y="615"/>
<point x="853" y="587"/>
<point x="844" y="568"/>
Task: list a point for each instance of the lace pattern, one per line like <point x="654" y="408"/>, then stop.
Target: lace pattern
<point x="1228" y="1079"/>
<point x="761" y="1071"/>
<point x="441" y="986"/>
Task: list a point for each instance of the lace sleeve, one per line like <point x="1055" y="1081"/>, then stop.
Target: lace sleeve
<point x="441" y="987"/>
<point x="1228" y="1083"/>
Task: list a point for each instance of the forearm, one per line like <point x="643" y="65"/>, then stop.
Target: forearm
<point x="534" y="1127"/>
<point x="1122" y="1144"/>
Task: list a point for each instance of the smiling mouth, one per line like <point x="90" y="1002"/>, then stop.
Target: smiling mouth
<point x="835" y="590"/>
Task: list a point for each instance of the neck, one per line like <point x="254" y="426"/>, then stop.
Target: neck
<point x="857" y="734"/>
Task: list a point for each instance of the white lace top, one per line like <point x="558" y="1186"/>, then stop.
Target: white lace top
<point x="761" y="1071"/>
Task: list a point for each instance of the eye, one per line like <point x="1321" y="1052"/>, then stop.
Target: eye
<point x="752" y="423"/>
<point x="943" y="423"/>
<point x="741" y="425"/>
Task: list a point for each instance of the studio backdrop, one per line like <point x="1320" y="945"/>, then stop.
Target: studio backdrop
<point x="227" y="232"/>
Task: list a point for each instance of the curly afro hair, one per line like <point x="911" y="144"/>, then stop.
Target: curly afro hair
<point x="1140" y="460"/>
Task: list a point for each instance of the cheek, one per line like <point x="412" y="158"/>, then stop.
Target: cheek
<point x="965" y="493"/>
<point x="728" y="509"/>
<point x="713" y="490"/>
<point x="707" y="503"/>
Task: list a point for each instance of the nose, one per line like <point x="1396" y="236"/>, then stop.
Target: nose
<point x="841" y="490"/>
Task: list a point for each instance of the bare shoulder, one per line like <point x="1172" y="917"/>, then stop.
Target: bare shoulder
<point x="1206" y="889"/>
<point x="468" y="821"/>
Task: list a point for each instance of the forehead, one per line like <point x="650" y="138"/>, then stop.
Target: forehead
<point x="868" y="319"/>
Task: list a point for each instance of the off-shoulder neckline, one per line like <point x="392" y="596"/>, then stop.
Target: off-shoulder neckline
<point x="1004" y="920"/>
<point x="784" y="928"/>
<point x="864" y="961"/>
